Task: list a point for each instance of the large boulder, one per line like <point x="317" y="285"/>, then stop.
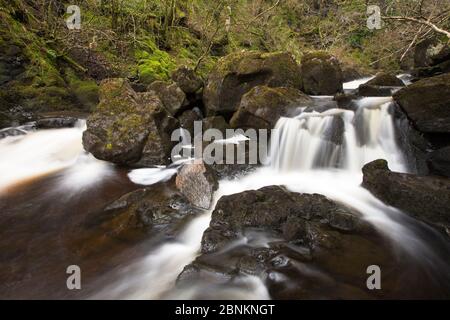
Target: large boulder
<point x="237" y="73"/>
<point x="129" y="128"/>
<point x="173" y="98"/>
<point x="293" y="241"/>
<point x="197" y="182"/>
<point x="262" y="106"/>
<point x="321" y="74"/>
<point x="424" y="197"/>
<point x="427" y="103"/>
<point x="187" y="80"/>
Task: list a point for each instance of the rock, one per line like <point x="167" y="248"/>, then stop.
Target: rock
<point x="129" y="128"/>
<point x="321" y="74"/>
<point x="173" y="98"/>
<point x="56" y="122"/>
<point x="262" y="106"/>
<point x="11" y="132"/>
<point x="346" y="101"/>
<point x="412" y="143"/>
<point x="284" y="238"/>
<point x="430" y="52"/>
<point x="216" y="122"/>
<point x="439" y="161"/>
<point x="295" y="217"/>
<point x="237" y="73"/>
<point x="383" y="85"/>
<point x="350" y="73"/>
<point x="424" y="197"/>
<point x="427" y="103"/>
<point x="145" y="210"/>
<point x="197" y="182"/>
<point x="187" y="80"/>
<point x="187" y="119"/>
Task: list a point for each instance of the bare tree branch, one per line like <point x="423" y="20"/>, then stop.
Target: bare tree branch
<point x="420" y="21"/>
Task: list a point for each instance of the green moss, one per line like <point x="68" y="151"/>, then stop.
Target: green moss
<point x="153" y="63"/>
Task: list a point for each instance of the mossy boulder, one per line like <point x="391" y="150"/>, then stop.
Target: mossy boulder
<point x="427" y="103"/>
<point x="262" y="106"/>
<point x="321" y="74"/>
<point x="129" y="128"/>
<point x="237" y="73"/>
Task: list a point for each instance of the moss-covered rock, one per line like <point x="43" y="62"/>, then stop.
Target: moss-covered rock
<point x="129" y="128"/>
<point x="173" y="98"/>
<point x="321" y="74"/>
<point x="187" y="80"/>
<point x="237" y="73"/>
<point x="262" y="106"/>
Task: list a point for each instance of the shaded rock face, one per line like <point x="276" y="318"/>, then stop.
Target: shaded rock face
<point x="187" y="119"/>
<point x="427" y="103"/>
<point x="439" y="161"/>
<point x="321" y="74"/>
<point x="262" y="106"/>
<point x="187" y="80"/>
<point x="170" y="95"/>
<point x="382" y="85"/>
<point x="430" y="52"/>
<point x="129" y="128"/>
<point x="424" y="197"/>
<point x="216" y="122"/>
<point x="197" y="182"/>
<point x="237" y="73"/>
<point x="284" y="238"/>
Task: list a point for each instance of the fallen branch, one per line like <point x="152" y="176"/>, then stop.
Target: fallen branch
<point x="420" y="21"/>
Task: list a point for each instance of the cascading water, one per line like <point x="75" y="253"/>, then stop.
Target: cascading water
<point x="314" y="152"/>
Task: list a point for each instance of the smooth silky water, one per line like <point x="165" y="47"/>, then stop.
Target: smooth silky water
<point x="50" y="171"/>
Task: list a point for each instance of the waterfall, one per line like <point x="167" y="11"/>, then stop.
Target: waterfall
<point x="337" y="138"/>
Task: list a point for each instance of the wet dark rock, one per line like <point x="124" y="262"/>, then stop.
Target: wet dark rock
<point x="56" y="122"/>
<point x="350" y="73"/>
<point x="335" y="132"/>
<point x="272" y="232"/>
<point x="383" y="85"/>
<point x="430" y="52"/>
<point x="173" y="98"/>
<point x="237" y="73"/>
<point x="424" y="197"/>
<point x="129" y="128"/>
<point x="427" y="103"/>
<point x="262" y="106"/>
<point x="412" y="143"/>
<point x="187" y="80"/>
<point x="197" y="182"/>
<point x="146" y="210"/>
<point x="321" y="74"/>
<point x="346" y="101"/>
<point x="439" y="161"/>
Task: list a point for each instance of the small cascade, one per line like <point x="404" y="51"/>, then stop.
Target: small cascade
<point x="337" y="138"/>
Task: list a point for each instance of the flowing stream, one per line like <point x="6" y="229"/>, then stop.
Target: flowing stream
<point x="315" y="153"/>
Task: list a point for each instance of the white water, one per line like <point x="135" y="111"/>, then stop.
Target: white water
<point x="40" y="153"/>
<point x="304" y="161"/>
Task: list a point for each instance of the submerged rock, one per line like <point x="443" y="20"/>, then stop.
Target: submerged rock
<point x="427" y="103"/>
<point x="237" y="73"/>
<point x="129" y="128"/>
<point x="262" y="106"/>
<point x="197" y="182"/>
<point x="424" y="197"/>
<point x="321" y="74"/>
<point x="187" y="80"/>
